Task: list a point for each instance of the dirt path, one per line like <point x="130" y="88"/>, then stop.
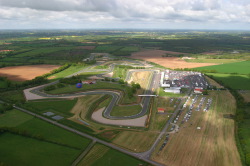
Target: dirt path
<point x="138" y="122"/>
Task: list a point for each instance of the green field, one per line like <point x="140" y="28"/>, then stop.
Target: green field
<point x="101" y="155"/>
<point x="233" y="81"/>
<point x="72" y="69"/>
<point x="19" y="150"/>
<point x="130" y="49"/>
<point x="58" y="146"/>
<point x="107" y="48"/>
<point x="125" y="110"/>
<point x="13" y="118"/>
<point x="61" y="107"/>
<point x="220" y="61"/>
<point x="237" y="67"/>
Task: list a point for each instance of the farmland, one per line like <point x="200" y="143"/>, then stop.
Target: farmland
<point x="237" y="67"/>
<point x="101" y="155"/>
<point x="220" y="55"/>
<point x="231" y="80"/>
<point x="22" y="73"/>
<point x="59" y="148"/>
<point x="157" y="56"/>
<point x="61" y="107"/>
<point x="219" y="61"/>
<point x="204" y="146"/>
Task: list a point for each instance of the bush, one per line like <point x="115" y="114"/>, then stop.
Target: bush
<point x="49" y="88"/>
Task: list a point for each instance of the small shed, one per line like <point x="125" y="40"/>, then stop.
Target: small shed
<point x="198" y="90"/>
<point x="161" y="110"/>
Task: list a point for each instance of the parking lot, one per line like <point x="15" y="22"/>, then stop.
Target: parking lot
<point x="187" y="79"/>
<point x="192" y="103"/>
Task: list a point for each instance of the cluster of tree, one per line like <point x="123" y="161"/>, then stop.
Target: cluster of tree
<point x="90" y="62"/>
<point x="36" y="81"/>
<point x="133" y="89"/>
<point x="173" y="55"/>
<point x="53" y="87"/>
<point x="71" y="80"/>
<point x="6" y="81"/>
<point x="109" y="79"/>
<point x="5" y="107"/>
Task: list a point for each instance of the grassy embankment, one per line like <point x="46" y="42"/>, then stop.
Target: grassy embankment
<point x="72" y="69"/>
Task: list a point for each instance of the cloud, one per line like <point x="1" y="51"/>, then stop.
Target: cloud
<point x="92" y="13"/>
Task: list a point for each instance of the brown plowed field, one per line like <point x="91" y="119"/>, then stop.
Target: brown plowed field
<point x="169" y="62"/>
<point x="23" y="73"/>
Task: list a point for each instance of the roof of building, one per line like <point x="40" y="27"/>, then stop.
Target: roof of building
<point x="198" y="89"/>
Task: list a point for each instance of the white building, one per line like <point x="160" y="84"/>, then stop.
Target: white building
<point x="165" y="83"/>
<point x="176" y="90"/>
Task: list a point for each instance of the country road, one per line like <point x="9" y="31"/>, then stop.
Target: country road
<point x="89" y="137"/>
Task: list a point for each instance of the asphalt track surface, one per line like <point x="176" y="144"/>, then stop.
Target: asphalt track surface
<point x="115" y="96"/>
<point x="154" y="84"/>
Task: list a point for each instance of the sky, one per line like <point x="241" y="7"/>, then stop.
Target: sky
<point x="129" y="14"/>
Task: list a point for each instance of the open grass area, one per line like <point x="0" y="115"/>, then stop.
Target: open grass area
<point x="19" y="150"/>
<point x="101" y="155"/>
<point x="98" y="85"/>
<point x="58" y="146"/>
<point x="219" y="61"/>
<point x="120" y="72"/>
<point x="237" y="67"/>
<point x="125" y="110"/>
<point x="231" y="80"/>
<point x="13" y="118"/>
<point x="61" y="107"/>
<point x="72" y="69"/>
